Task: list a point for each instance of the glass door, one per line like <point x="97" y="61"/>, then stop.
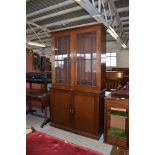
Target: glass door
<point x="62" y="59"/>
<point x="86" y="59"/>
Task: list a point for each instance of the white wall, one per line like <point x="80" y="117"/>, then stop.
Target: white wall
<point x="123" y="59"/>
<point x="122" y="54"/>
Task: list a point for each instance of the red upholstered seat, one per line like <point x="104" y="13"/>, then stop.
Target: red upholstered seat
<point x="38" y="143"/>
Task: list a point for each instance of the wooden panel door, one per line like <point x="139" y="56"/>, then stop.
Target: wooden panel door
<point x="85" y="113"/>
<point x="61" y="107"/>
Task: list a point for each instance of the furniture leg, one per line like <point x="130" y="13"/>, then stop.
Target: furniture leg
<point x="30" y="110"/>
<point x="47" y="120"/>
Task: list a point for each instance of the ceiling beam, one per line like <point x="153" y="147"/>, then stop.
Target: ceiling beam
<point x="50" y="8"/>
<point x="127" y="22"/>
<point x="58" y="23"/>
<point x="38" y="26"/>
<point x="33" y="37"/>
<point x="124" y="18"/>
<point x="43" y="40"/>
<point x="92" y="10"/>
<point x="57" y="13"/>
<point x="126" y="28"/>
<point x="123" y="9"/>
<point x="123" y="23"/>
<point x="66" y="21"/>
<point x="41" y="35"/>
<point x="122" y="34"/>
<point x="71" y="27"/>
<point x="101" y="16"/>
<point x="30" y="32"/>
<point x="115" y="0"/>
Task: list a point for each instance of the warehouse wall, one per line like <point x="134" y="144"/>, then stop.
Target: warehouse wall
<point x="122" y="54"/>
<point x="123" y="59"/>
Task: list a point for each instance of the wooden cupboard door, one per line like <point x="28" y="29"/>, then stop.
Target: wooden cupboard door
<point x="60" y="107"/>
<point x="85" y="112"/>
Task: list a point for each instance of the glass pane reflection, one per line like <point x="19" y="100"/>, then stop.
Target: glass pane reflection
<point x="62" y="59"/>
<point x="86" y="59"/>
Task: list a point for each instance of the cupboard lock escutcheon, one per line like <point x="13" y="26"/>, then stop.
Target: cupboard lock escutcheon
<point x="73" y="110"/>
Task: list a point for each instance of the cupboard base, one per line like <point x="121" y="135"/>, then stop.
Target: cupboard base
<point x="93" y="136"/>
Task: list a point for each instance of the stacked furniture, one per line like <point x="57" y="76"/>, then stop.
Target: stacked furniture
<point x="124" y="70"/>
<point x="116" y="119"/>
<point x="125" y="74"/>
<point x="78" y="80"/>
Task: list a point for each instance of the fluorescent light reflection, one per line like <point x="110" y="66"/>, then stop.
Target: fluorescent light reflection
<point x="123" y="45"/>
<point x="112" y="32"/>
<point x="36" y="44"/>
